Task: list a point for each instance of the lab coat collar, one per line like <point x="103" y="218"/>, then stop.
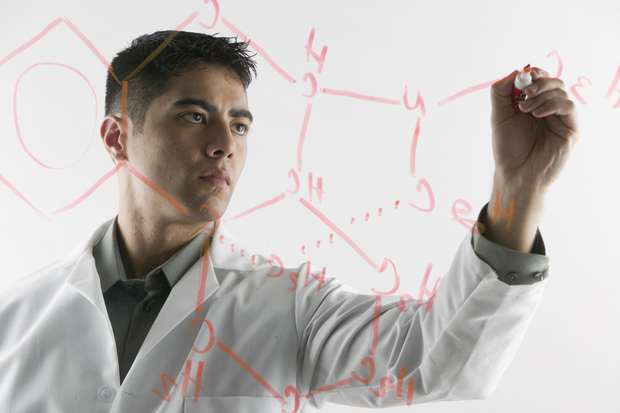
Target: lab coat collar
<point x="110" y="266"/>
<point x="222" y="255"/>
<point x="224" y="252"/>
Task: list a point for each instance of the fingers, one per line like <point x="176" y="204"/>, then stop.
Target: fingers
<point x="542" y="104"/>
<point x="547" y="96"/>
<point x="555" y="106"/>
<point x="502" y="89"/>
<point x="543" y="84"/>
<point x="540" y="78"/>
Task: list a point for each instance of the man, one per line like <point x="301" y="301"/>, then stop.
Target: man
<point x="142" y="317"/>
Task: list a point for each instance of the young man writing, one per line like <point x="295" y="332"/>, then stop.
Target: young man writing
<point x="148" y="314"/>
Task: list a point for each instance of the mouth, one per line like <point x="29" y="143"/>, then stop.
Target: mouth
<point x="216" y="176"/>
<point x="212" y="180"/>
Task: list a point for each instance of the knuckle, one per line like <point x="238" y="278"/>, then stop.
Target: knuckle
<point x="561" y="84"/>
<point x="543" y="84"/>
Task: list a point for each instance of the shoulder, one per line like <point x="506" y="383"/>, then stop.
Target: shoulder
<point x="46" y="279"/>
<point x="38" y="284"/>
<point x="23" y="303"/>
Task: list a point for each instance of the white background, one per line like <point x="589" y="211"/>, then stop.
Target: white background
<point x="569" y="359"/>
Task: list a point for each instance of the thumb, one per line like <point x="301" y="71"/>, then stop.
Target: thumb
<point x="501" y="95"/>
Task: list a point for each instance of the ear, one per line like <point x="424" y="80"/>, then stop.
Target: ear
<point x="114" y="139"/>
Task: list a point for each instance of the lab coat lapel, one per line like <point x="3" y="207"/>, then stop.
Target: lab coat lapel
<point x="184" y="299"/>
<point x="85" y="280"/>
<point x="84" y="277"/>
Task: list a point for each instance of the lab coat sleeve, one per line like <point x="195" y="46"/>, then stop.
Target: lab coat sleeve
<point x="458" y="350"/>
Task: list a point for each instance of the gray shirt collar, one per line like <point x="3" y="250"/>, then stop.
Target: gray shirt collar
<point x="110" y="266"/>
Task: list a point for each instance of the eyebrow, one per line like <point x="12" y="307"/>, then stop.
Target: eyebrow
<point x="210" y="107"/>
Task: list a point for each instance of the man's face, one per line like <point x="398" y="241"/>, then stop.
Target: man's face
<point x="199" y="125"/>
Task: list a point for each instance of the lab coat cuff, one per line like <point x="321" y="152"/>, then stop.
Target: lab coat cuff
<point x="512" y="267"/>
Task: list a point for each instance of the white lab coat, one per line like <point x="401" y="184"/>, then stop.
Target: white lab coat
<point x="58" y="354"/>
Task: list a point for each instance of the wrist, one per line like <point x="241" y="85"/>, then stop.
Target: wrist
<point x="528" y="199"/>
<point x="528" y="189"/>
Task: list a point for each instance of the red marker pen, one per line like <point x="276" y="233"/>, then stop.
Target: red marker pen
<point x="523" y="80"/>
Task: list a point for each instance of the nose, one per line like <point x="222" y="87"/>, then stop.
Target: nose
<point x="220" y="141"/>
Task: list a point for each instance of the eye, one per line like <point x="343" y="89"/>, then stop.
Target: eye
<point x="240" y="128"/>
<point x="194" y="117"/>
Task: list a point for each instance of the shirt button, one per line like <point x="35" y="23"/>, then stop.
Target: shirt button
<point x="513" y="276"/>
<point x="105" y="393"/>
<point x="147" y="306"/>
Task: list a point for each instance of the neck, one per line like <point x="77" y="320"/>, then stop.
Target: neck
<point x="146" y="241"/>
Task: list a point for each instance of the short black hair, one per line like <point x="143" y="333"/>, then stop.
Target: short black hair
<point x="183" y="50"/>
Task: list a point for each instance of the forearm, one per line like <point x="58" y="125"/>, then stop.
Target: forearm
<point x="517" y="229"/>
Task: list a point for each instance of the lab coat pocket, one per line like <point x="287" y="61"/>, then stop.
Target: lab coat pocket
<point x="234" y="404"/>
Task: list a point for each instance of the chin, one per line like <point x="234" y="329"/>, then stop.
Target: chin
<point x="213" y="212"/>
